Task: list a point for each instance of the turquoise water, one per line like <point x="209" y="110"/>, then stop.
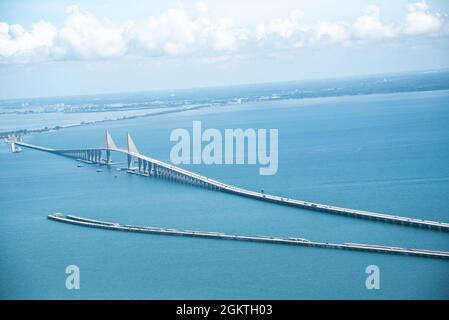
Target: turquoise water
<point x="385" y="153"/>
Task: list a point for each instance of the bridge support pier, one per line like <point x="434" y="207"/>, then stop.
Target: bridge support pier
<point x="145" y="163"/>
<point x="130" y="159"/>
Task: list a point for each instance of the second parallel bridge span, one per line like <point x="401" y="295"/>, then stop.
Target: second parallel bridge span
<point x="151" y="167"/>
<point x="264" y="239"/>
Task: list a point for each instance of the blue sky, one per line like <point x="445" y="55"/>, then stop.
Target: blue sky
<point x="51" y="48"/>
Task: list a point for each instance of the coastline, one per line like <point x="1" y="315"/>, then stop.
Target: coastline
<point x="25" y="132"/>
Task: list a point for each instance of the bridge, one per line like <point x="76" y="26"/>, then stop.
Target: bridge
<point x="76" y="220"/>
<point x="151" y="167"/>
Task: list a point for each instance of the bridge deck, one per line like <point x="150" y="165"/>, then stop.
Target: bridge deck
<point x="265" y="197"/>
<point x="219" y="235"/>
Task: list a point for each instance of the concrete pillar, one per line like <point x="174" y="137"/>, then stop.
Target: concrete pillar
<point x="108" y="156"/>
<point x="130" y="159"/>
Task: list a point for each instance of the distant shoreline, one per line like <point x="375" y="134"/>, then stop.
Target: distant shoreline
<point x="23" y="132"/>
<point x="250" y="84"/>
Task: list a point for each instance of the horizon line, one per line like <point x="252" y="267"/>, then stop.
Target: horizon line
<point x="367" y="75"/>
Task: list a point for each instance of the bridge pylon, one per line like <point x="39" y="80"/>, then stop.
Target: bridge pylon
<point x="131" y="149"/>
<point x="131" y="145"/>
<point x="110" y="145"/>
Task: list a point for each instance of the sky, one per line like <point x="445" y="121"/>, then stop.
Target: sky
<point x="59" y="47"/>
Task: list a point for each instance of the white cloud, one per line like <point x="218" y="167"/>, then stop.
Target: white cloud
<point x="417" y="6"/>
<point x="197" y="33"/>
<point x="370" y="26"/>
<point x="18" y="45"/>
<point x="172" y="33"/>
<point x="177" y="33"/>
<point x="332" y="32"/>
<point x="284" y="28"/>
<point x="88" y="37"/>
<point x="282" y="33"/>
<point x="224" y="40"/>
<point x="201" y="6"/>
<point x="420" y="21"/>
